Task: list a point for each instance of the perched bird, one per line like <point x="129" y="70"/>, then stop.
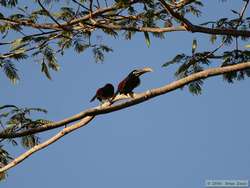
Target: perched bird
<point x="104" y="93"/>
<point x="127" y="85"/>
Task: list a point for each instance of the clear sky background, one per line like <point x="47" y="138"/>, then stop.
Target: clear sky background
<point x="175" y="140"/>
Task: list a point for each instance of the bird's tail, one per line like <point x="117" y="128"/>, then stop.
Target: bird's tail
<point x="93" y="98"/>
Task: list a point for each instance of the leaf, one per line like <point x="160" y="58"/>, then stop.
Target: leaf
<point x="29" y="141"/>
<point x="110" y="32"/>
<point x="28" y="110"/>
<point x="146" y="35"/>
<point x="98" y="55"/>
<point x="105" y="48"/>
<point x="51" y="59"/>
<point x="194" y="46"/>
<point x="195" y="87"/>
<point x="16" y="43"/>
<point x="176" y="59"/>
<point x="235" y="12"/>
<point x="13" y="142"/>
<point x="45" y="70"/>
<point x="8" y="3"/>
<point x="3" y="176"/>
<point x="213" y="38"/>
<point x="4" y="159"/>
<point x="10" y="71"/>
<point x="79" y="46"/>
<point x="221" y="21"/>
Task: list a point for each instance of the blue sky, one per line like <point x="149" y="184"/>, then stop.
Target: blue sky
<point x="175" y="140"/>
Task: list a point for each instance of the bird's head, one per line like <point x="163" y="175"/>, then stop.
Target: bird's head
<point x="139" y="72"/>
<point x="108" y="85"/>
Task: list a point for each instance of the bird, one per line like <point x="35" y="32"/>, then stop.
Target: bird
<point x="104" y="93"/>
<point x="127" y="85"/>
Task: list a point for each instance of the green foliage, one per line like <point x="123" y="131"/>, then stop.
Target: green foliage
<point x="194" y="46"/>
<point x="80" y="45"/>
<point x="9" y="70"/>
<point x="99" y="51"/>
<point x="189" y="65"/>
<point x="16" y="119"/>
<point x="5" y="158"/>
<point x="193" y="9"/>
<point x="29" y="141"/>
<point x="41" y="46"/>
<point x="65" y="14"/>
<point x="32" y="32"/>
<point x="196" y="62"/>
<point x="226" y="23"/>
<point x="8" y="3"/>
<point x="45" y="70"/>
<point x="147" y="39"/>
<point x="195" y="87"/>
<point x="48" y="61"/>
<point x="50" y="58"/>
<point x="110" y="32"/>
<point x="232" y="58"/>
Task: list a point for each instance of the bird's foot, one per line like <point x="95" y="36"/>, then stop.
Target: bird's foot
<point x="110" y="102"/>
<point x="131" y="94"/>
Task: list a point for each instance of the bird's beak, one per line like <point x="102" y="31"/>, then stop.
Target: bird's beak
<point x="144" y="70"/>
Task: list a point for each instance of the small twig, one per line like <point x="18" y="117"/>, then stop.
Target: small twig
<point x="242" y="12"/>
<point x="106" y="3"/>
<point x="81" y="5"/>
<point x="98" y="4"/>
<point x="2" y="128"/>
<point x="90" y="7"/>
<point x="4" y="43"/>
<point x="8" y="106"/>
<point x="216" y="49"/>
<point x="48" y="13"/>
<point x="238" y="24"/>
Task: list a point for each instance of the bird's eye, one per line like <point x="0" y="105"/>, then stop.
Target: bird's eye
<point x="134" y="71"/>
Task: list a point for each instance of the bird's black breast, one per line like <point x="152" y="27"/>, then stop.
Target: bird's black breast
<point x="108" y="91"/>
<point x="131" y="83"/>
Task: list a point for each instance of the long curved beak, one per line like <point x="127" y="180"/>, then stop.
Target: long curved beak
<point x="144" y="70"/>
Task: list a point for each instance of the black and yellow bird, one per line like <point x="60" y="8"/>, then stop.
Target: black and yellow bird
<point x="104" y="93"/>
<point x="127" y="85"/>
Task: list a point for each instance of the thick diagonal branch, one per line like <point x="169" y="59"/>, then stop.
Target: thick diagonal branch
<point x="53" y="139"/>
<point x="88" y="115"/>
<point x="138" y="98"/>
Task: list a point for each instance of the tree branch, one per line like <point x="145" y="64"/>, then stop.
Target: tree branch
<point x="88" y="115"/>
<point x="138" y="29"/>
<point x="188" y="26"/>
<point x="138" y="98"/>
<point x="48" y="13"/>
<point x="53" y="139"/>
<point x="195" y="28"/>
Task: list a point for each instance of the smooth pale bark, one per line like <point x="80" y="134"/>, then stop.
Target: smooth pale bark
<point x="88" y="115"/>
